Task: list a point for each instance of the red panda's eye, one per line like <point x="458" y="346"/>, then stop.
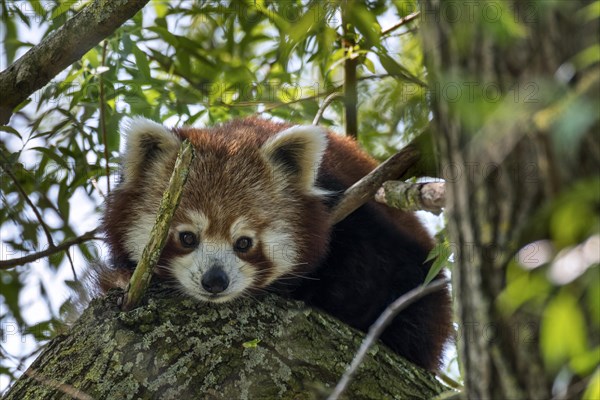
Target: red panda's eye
<point x="243" y="244"/>
<point x="188" y="239"/>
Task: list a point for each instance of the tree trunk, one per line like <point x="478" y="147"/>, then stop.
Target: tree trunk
<point x="176" y="348"/>
<point x="492" y="67"/>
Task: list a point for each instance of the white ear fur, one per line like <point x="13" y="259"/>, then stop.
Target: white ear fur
<point x="144" y="143"/>
<point x="296" y="153"/>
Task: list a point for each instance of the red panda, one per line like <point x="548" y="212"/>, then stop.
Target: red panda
<point x="253" y="217"/>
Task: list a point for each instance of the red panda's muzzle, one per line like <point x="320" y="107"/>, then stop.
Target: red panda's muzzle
<point x="215" y="280"/>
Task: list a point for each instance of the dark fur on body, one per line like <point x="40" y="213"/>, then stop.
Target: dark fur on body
<point x="352" y="270"/>
<point x="369" y="264"/>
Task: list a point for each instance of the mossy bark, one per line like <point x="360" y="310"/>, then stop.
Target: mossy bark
<point x="176" y="348"/>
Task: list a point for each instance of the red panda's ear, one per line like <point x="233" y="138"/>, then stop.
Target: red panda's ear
<point x="144" y="144"/>
<point x="296" y="154"/>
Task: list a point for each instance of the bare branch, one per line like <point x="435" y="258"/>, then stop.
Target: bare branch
<point x="60" y="49"/>
<point x="6" y="168"/>
<point x="364" y="190"/>
<point x="402" y="22"/>
<point x="449" y="381"/>
<point x="140" y="280"/>
<point x="103" y="117"/>
<point x="379" y="326"/>
<point x="86" y="237"/>
<point x="350" y="69"/>
<point x="429" y="196"/>
<point x="328" y="100"/>
<point x="71" y="264"/>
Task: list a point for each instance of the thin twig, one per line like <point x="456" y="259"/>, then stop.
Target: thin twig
<point x="86" y="237"/>
<point x="449" y="381"/>
<point x="314" y="96"/>
<point x="402" y="22"/>
<point x="98" y="189"/>
<point x="103" y="116"/>
<point x="328" y="100"/>
<point x="379" y="326"/>
<point x="140" y="280"/>
<point x="350" y="70"/>
<point x="72" y="265"/>
<point x="364" y="190"/>
<point x="6" y="168"/>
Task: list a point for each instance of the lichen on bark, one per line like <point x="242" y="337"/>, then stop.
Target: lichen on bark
<point x="176" y="348"/>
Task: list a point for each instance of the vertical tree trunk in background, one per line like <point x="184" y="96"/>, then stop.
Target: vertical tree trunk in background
<point x="350" y="69"/>
<point x="498" y="166"/>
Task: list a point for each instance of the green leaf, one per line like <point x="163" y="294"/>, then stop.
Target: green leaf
<point x="41" y="331"/>
<point x="588" y="57"/>
<point x="251" y="344"/>
<point x="50" y="153"/>
<point x="11" y="44"/>
<point x="369" y="65"/>
<point x="583" y="364"/>
<point x="61" y="8"/>
<point x="592" y="392"/>
<point x="523" y="288"/>
<point x="440" y="254"/>
<point x="10" y="129"/>
<point x="563" y="332"/>
<point x="10" y="288"/>
<point x="396" y="69"/>
<point x="63" y="201"/>
<point x="366" y="23"/>
<point x="141" y="60"/>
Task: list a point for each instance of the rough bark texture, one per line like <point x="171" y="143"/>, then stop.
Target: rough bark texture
<point x="176" y="348"/>
<point x="430" y="196"/>
<point x="60" y="49"/>
<point x="504" y="171"/>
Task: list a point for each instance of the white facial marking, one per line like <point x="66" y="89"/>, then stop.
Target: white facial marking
<point x="240" y="228"/>
<point x="277" y="243"/>
<point x="279" y="247"/>
<point x="138" y="234"/>
<point x="198" y="220"/>
<point x="189" y="270"/>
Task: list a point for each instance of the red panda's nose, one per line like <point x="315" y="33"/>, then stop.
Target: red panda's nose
<point x="215" y="280"/>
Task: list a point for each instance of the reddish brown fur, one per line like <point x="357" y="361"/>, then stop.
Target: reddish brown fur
<point x="217" y="187"/>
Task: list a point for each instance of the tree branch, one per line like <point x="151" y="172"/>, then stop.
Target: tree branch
<point x="307" y="98"/>
<point x="379" y="326"/>
<point x="60" y="49"/>
<point x="402" y="22"/>
<point x="429" y="196"/>
<point x="328" y="100"/>
<point x="140" y="280"/>
<point x="350" y="67"/>
<point x="364" y="190"/>
<point x="86" y="237"/>
<point x="103" y="117"/>
<point x="6" y="168"/>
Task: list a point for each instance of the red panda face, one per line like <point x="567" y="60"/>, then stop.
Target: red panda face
<point x="248" y="211"/>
